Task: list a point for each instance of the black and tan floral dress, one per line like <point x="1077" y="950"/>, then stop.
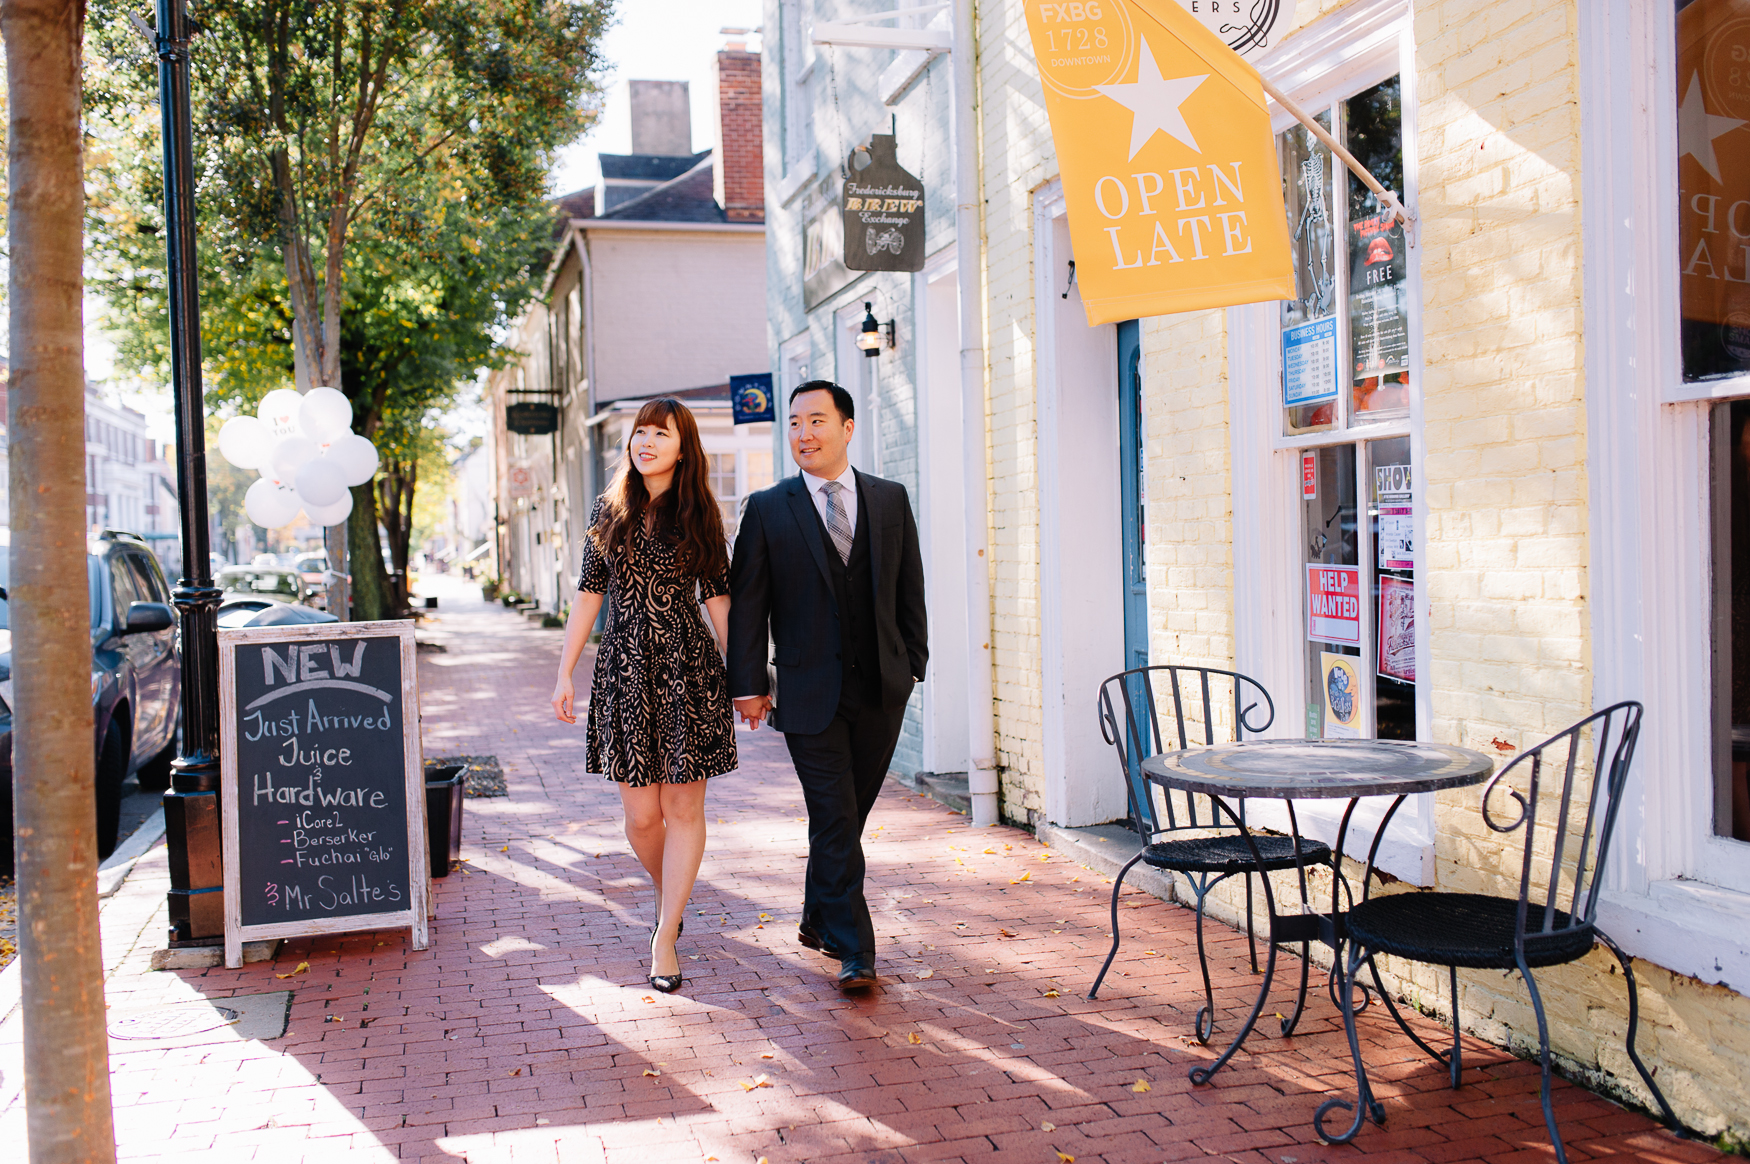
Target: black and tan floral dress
<point x="659" y="704"/>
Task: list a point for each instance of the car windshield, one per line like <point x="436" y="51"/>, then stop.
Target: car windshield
<point x="94" y="584"/>
<point x="260" y="583"/>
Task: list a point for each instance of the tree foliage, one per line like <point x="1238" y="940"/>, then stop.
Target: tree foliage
<point x="370" y="184"/>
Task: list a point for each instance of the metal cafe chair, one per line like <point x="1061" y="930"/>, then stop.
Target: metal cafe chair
<point x="1181" y="833"/>
<point x="1565" y="821"/>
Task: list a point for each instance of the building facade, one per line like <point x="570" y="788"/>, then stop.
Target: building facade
<point x="830" y="108"/>
<point x="656" y="288"/>
<point x="1521" y="453"/>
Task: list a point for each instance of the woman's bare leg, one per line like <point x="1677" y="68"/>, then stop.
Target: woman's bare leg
<point x="683" y="848"/>
<point x="644" y="829"/>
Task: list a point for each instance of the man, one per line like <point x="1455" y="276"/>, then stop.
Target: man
<point x="828" y="562"/>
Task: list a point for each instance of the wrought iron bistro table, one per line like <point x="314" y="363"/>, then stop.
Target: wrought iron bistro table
<point x="1293" y="770"/>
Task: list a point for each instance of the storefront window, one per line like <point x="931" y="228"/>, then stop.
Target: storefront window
<point x="1360" y="590"/>
<point x="1320" y="391"/>
<point x="1713" y="184"/>
<point x="1731" y="560"/>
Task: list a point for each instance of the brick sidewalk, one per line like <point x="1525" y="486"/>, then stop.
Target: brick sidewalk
<point x="527" y="1032"/>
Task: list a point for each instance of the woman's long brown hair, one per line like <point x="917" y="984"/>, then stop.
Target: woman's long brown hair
<point x="686" y="513"/>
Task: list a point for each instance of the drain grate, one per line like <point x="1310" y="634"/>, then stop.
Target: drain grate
<point x="172" y="1022"/>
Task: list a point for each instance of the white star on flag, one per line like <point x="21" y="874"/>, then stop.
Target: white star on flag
<point x="1697" y="128"/>
<point x="1154" y="100"/>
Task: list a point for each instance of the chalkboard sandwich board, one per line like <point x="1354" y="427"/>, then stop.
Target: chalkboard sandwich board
<point x="322" y="787"/>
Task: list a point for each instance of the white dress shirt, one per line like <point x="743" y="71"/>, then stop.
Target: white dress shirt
<point x="847" y="496"/>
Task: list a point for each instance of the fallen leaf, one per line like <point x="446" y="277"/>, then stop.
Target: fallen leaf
<point x="926" y="973"/>
<point x="914" y="1039"/>
<point x="517" y="1072"/>
<point x="1027" y="876"/>
<point x="1141" y="1085"/>
<point x="1051" y="994"/>
<point x="708" y="1159"/>
<point x="1048" y="1127"/>
<point x="1065" y="1156"/>
<point x="767" y="1055"/>
<point x="1045" y="856"/>
<point x="765" y="917"/>
<point x="761" y="1160"/>
<point x="1076" y="878"/>
<point x="301" y="968"/>
<point x="1152" y="954"/>
<point x="653" y="1073"/>
<point x="990" y="850"/>
<point x="647" y="998"/>
<point x="761" y="1081"/>
<point x="333" y="1018"/>
<point x="1006" y="933"/>
<point x="504" y="848"/>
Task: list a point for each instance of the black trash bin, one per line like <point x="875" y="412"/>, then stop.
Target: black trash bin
<point x="443" y="815"/>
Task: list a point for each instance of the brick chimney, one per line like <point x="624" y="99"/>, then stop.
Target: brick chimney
<point x="739" y="181"/>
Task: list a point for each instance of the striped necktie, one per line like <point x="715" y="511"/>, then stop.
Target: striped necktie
<point x="836" y="523"/>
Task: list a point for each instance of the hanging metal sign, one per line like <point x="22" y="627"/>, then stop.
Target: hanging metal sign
<point x="1248" y="27"/>
<point x="531" y="419"/>
<point x="883" y="210"/>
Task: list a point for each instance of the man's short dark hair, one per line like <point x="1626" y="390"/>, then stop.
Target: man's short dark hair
<point x="841" y="399"/>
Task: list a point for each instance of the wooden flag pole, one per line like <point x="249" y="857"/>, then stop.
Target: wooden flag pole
<point x="1330" y="143"/>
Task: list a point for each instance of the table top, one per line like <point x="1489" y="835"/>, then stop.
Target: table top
<point x="1319" y="768"/>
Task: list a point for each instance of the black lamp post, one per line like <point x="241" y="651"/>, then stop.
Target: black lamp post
<point x="191" y="807"/>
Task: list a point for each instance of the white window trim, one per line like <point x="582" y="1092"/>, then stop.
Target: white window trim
<point x="1334" y="58"/>
<point x="1676" y="894"/>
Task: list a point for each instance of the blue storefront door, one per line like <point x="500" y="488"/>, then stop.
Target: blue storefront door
<point x="1133" y="493"/>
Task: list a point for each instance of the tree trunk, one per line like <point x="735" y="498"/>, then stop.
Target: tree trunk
<point x="396" y="483"/>
<point x="66" y="1048"/>
<point x="371" y="598"/>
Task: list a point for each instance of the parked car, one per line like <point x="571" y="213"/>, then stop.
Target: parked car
<point x="314" y="567"/>
<point x="136" y="679"/>
<point x="276" y="583"/>
<point x="238" y="611"/>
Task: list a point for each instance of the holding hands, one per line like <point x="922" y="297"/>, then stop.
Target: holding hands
<point x="754" y="709"/>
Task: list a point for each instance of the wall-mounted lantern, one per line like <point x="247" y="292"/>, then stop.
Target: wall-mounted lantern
<point x="874" y="334"/>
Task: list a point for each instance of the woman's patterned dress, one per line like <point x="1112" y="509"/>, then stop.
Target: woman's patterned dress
<point x="659" y="704"/>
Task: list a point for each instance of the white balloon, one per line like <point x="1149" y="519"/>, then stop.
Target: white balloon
<point x="324" y="414"/>
<point x="292" y="454"/>
<point x="356" y="457"/>
<point x="270" y="504"/>
<point x="326" y="515"/>
<point x="245" y="442"/>
<point x="320" y="482"/>
<point x="279" y="411"/>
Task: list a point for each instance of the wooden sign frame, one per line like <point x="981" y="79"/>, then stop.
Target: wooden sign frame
<point x="417" y="916"/>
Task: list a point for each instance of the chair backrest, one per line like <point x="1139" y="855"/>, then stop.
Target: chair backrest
<point x="1574" y="847"/>
<point x="1200" y="705"/>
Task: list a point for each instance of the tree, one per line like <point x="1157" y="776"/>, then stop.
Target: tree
<point x="366" y="169"/>
<point x="66" y="1059"/>
<point x="327" y="122"/>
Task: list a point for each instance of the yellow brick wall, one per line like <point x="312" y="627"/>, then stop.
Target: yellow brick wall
<point x="1190" y="489"/>
<point x="1499" y="248"/>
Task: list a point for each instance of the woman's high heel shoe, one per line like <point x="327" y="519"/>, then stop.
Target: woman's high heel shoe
<point x="667" y="983"/>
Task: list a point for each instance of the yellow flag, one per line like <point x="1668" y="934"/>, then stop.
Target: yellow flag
<point x="1169" y="165"/>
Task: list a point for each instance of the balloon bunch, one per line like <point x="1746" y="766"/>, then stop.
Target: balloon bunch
<point x="307" y="455"/>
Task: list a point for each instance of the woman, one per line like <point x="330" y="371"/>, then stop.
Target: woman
<point x="659" y="720"/>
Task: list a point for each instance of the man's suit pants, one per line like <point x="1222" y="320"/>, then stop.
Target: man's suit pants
<point x="841" y="770"/>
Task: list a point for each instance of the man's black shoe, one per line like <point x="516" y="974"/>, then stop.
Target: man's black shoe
<point x="857" y="973"/>
<point x="813" y="941"/>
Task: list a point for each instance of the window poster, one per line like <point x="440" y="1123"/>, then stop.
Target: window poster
<point x="1333" y="604"/>
<point x="1395" y="537"/>
<point x="1397" y="628"/>
<point x="1309" y="362"/>
<point x="1379" y="326"/>
<point x="1342" y="696"/>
